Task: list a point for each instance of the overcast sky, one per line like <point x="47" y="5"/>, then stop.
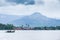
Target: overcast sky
<point x="49" y="8"/>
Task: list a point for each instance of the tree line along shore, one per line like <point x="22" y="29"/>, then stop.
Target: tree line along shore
<point x="12" y="27"/>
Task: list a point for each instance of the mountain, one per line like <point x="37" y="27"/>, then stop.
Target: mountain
<point x="4" y="18"/>
<point x="36" y="20"/>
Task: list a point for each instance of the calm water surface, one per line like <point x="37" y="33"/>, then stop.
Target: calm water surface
<point x="30" y="35"/>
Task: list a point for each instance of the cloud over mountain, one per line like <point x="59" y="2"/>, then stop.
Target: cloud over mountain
<point x="49" y="8"/>
<point x="26" y="2"/>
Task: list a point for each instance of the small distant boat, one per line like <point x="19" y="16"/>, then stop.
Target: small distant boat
<point x="10" y="31"/>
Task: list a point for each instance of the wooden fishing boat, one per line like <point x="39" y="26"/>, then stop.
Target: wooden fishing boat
<point x="10" y="31"/>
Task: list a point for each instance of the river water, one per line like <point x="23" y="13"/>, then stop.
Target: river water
<point x="30" y="35"/>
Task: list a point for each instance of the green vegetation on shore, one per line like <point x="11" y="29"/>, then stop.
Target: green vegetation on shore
<point x="12" y="27"/>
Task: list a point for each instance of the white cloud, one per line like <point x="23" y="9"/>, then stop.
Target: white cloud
<point x="51" y="8"/>
<point x="5" y="3"/>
